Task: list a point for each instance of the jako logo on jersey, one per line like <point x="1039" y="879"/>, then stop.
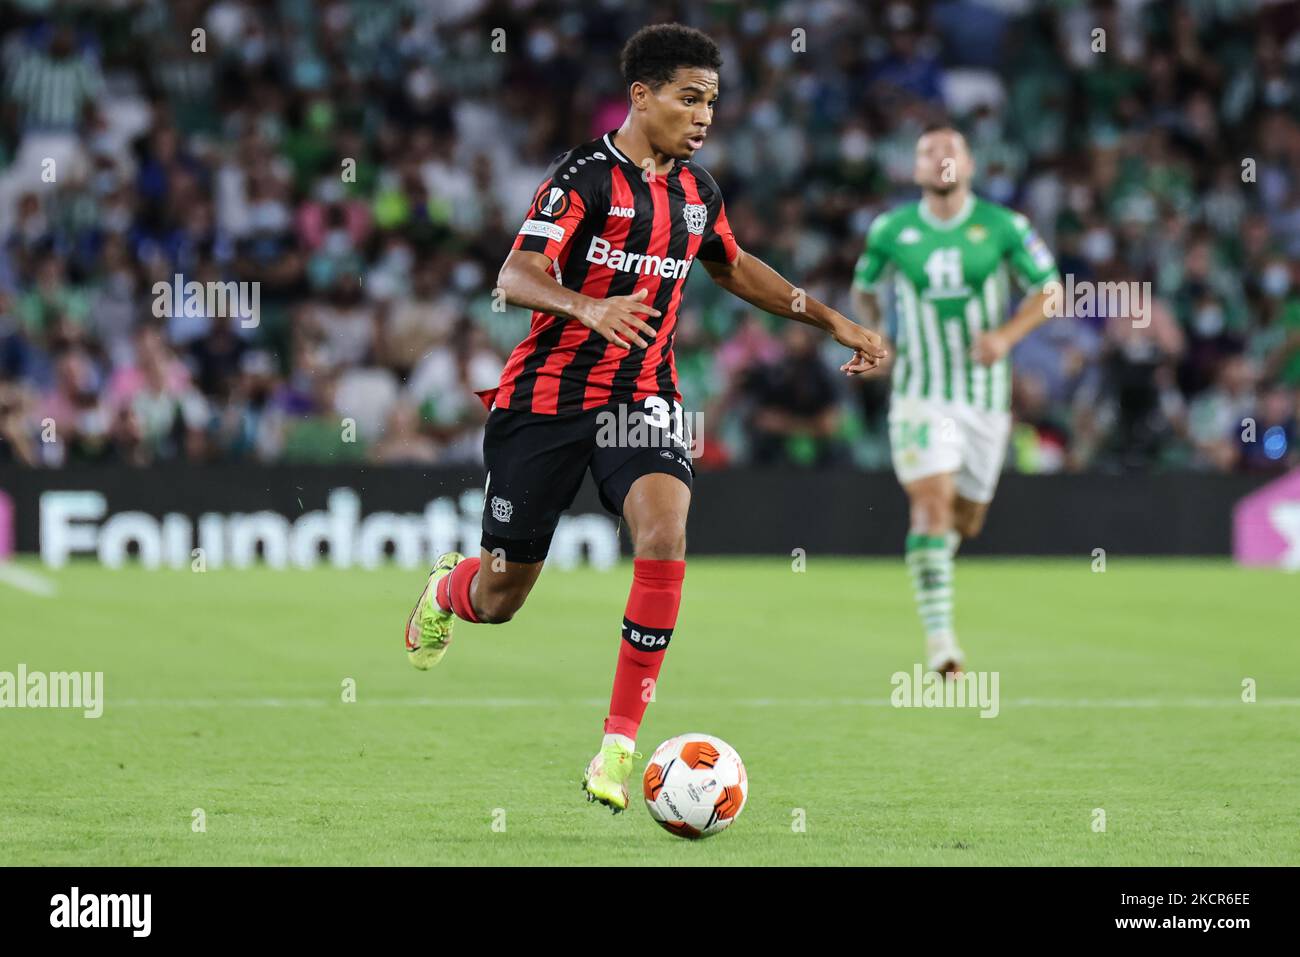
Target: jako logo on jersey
<point x="600" y="253"/>
<point x="553" y="203"/>
<point x="696" y="215"/>
<point x="909" y="235"/>
<point x="622" y="212"/>
<point x="672" y="457"/>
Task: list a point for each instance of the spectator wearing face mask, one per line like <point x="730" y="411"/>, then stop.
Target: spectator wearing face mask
<point x="1276" y="340"/>
<point x="1207" y="310"/>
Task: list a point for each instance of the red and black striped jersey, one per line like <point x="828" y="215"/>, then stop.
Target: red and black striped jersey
<point x="609" y="231"/>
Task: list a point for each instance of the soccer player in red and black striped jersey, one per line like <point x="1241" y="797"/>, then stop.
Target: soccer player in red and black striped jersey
<point x="601" y="260"/>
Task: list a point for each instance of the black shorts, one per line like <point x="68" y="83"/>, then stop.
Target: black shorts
<point x="536" y="464"/>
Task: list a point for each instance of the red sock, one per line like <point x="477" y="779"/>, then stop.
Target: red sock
<point x="647" y="629"/>
<point x="453" y="590"/>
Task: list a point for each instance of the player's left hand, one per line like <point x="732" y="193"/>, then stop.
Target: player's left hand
<point x="868" y="347"/>
<point x="990" y="347"/>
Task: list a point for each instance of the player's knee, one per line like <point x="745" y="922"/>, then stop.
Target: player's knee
<point x="969" y="525"/>
<point x="932" y="514"/>
<point x="662" y="540"/>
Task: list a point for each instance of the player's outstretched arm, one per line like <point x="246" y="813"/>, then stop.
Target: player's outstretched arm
<point x="526" y="280"/>
<point x="759" y="284"/>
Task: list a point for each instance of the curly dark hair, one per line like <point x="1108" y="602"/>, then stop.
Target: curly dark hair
<point x="654" y="53"/>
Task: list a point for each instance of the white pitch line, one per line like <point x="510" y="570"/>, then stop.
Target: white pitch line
<point x="28" y="581"/>
<point x="492" y="703"/>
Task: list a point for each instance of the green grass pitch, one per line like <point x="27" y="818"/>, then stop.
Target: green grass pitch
<point x="1119" y="690"/>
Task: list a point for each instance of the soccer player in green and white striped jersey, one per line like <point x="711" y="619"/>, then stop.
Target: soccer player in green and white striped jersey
<point x="949" y="260"/>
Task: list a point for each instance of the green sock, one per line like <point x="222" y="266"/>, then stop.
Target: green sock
<point x="930" y="562"/>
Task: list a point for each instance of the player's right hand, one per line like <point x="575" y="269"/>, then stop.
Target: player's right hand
<point x="868" y="347"/>
<point x="619" y="320"/>
<point x="883" y="367"/>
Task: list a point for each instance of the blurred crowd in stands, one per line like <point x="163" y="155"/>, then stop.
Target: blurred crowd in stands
<point x="367" y="162"/>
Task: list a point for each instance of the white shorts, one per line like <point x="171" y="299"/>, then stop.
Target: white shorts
<point x="929" y="437"/>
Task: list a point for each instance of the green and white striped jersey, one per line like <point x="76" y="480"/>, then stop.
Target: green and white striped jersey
<point x="52" y="94"/>
<point x="952" y="281"/>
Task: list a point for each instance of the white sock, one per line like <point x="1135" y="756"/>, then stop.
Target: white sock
<point x="954" y="542"/>
<point x="621" y="740"/>
<point x="942" y="646"/>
